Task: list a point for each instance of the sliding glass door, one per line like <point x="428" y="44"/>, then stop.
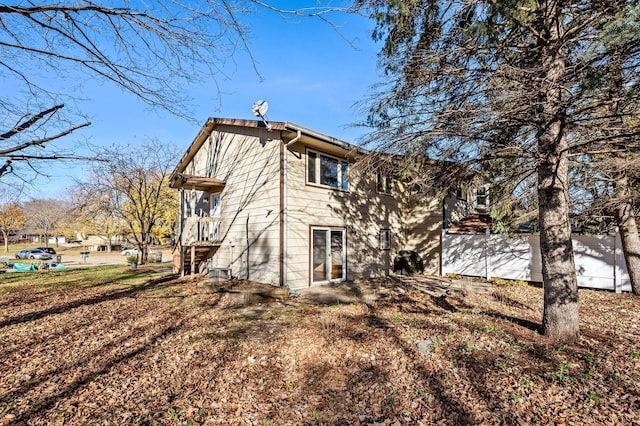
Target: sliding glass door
<point x="328" y="255"/>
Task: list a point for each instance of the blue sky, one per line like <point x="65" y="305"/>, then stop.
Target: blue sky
<point x="311" y="76"/>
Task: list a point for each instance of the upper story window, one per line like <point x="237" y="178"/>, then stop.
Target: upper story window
<point x="482" y="198"/>
<point x="384" y="183"/>
<point x="327" y="171"/>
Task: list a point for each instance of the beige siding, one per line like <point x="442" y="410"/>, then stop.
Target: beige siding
<point x="361" y="211"/>
<point x="423" y="232"/>
<point x="249" y="165"/>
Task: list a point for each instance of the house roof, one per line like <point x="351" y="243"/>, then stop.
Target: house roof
<point x="199" y="183"/>
<point x="304" y="131"/>
<point x="472" y="224"/>
<point x="287" y="132"/>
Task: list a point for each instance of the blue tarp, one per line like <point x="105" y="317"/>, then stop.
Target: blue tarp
<point x="23" y="267"/>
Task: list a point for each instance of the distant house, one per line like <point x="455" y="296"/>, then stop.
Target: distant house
<point x="37" y="239"/>
<point x="102" y="242"/>
<point x="290" y="206"/>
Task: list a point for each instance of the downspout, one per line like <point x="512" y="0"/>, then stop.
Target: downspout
<point x="248" y="247"/>
<point x="285" y="210"/>
<point x="180" y="228"/>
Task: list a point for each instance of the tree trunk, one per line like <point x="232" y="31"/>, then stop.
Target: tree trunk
<point x="5" y="234"/>
<point x="624" y="210"/>
<point x="560" y="318"/>
<point x="626" y="218"/>
<point x="143" y="248"/>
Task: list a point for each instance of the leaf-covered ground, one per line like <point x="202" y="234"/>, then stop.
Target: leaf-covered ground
<point x="180" y="352"/>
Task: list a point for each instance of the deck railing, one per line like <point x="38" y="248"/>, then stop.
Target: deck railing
<point x="202" y="231"/>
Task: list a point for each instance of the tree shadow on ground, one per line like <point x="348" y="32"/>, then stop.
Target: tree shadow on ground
<point x="153" y="284"/>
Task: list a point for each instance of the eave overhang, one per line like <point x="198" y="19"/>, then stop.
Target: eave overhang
<point x="323" y="142"/>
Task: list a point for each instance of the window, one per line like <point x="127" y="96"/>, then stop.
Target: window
<point x="385" y="239"/>
<point x="384" y="183"/>
<point x="214" y="205"/>
<point x="327" y="171"/>
<point x="189" y="201"/>
<point x="482" y="197"/>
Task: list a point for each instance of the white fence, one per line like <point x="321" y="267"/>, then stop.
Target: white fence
<point x="599" y="259"/>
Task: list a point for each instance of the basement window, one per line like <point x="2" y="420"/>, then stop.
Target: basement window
<point x="385" y="239"/>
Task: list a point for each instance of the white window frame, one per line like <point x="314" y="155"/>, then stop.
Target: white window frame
<point x="384" y="183"/>
<point x="328" y="255"/>
<point x="215" y="211"/>
<point x="385" y="239"/>
<point x="485" y="195"/>
<point x="215" y="204"/>
<point x="341" y="176"/>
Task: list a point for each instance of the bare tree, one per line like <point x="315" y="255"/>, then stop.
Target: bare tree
<point x="45" y="216"/>
<point x="133" y="187"/>
<point x="93" y="214"/>
<point x="26" y="140"/>
<point x="153" y="50"/>
<point x="150" y="49"/>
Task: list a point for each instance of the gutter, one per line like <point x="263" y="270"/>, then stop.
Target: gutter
<point x="325" y="138"/>
<point x="285" y="209"/>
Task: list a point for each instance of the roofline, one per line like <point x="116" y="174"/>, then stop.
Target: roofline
<point x="204" y="131"/>
<point x="325" y="138"/>
<point x="212" y="122"/>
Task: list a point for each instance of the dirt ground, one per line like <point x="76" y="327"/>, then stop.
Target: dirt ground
<point x="396" y="351"/>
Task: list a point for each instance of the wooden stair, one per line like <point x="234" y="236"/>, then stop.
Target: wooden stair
<point x="201" y="254"/>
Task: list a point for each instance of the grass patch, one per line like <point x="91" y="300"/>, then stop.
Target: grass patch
<point x="108" y="276"/>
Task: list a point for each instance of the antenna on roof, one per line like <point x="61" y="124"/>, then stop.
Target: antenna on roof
<point x="260" y="109"/>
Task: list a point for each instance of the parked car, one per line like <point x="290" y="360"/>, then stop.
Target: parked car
<point x="33" y="254"/>
<point x="49" y="250"/>
<point x="133" y="251"/>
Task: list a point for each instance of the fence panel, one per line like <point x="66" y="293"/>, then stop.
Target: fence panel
<point x="599" y="260"/>
<point x="595" y="261"/>
<point x="509" y="258"/>
<point x="465" y="254"/>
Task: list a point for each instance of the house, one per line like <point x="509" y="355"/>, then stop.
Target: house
<point x="37" y="238"/>
<point x="471" y="246"/>
<point x="468" y="211"/>
<point x="102" y="242"/>
<point x="293" y="207"/>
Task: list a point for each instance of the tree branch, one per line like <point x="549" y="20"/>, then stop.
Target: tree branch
<point x="30" y="122"/>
